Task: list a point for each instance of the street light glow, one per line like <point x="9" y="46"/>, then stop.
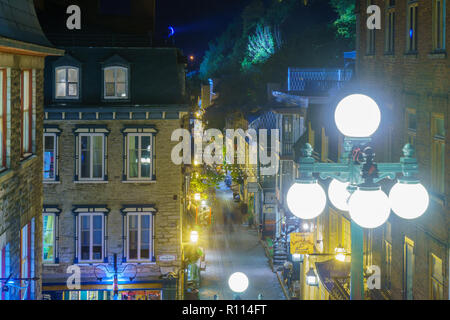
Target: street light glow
<point x="357" y="116"/>
<point x="194" y="236"/>
<point x="197" y="196"/>
<point x="238" y="282"/>
<point x="338" y="194"/>
<point x="306" y="200"/>
<point x="369" y="208"/>
<point x="409" y="200"/>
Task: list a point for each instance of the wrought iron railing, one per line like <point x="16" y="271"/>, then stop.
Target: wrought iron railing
<point x="317" y="80"/>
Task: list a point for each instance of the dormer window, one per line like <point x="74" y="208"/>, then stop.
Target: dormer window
<point x="116" y="83"/>
<point x="67" y="83"/>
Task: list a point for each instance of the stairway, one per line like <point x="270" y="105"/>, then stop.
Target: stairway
<point x="280" y="254"/>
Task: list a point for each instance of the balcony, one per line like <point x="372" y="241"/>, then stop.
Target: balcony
<point x="317" y="81"/>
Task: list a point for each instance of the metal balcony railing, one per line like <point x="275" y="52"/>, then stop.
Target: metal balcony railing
<point x="317" y="80"/>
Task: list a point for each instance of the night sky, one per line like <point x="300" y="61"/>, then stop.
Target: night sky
<point x="196" y="22"/>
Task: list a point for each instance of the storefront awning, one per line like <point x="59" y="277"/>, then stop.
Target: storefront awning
<point x="331" y="270"/>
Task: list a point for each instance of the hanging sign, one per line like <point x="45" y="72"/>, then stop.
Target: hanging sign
<point x="302" y="243"/>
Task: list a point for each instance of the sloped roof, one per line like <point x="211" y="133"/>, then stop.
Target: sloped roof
<point x="18" y="21"/>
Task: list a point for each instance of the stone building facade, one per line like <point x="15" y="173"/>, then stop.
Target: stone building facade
<point x="111" y="188"/>
<point x="405" y="67"/>
<point x="23" y="49"/>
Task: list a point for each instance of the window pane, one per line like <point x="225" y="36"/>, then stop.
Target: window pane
<point x="61" y="75"/>
<point x="73" y="75"/>
<point x="97" y="222"/>
<point x="85" y="157"/>
<point x="132" y="237"/>
<point x="109" y="75"/>
<point x="26" y="132"/>
<point x="85" y="237"/>
<point x="145" y="156"/>
<point x="121" y="75"/>
<point x="49" y="157"/>
<point x="133" y="154"/>
<point x="73" y="89"/>
<point x="440" y="127"/>
<point x="121" y="90"/>
<point x="97" y="156"/>
<point x="412" y="121"/>
<point x="110" y="90"/>
<point x="61" y="89"/>
<point x="437" y="269"/>
<point x="145" y="237"/>
<point x="48" y="238"/>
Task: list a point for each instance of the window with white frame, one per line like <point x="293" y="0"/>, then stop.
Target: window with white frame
<point x="27" y="260"/>
<point x="139" y="160"/>
<point x="91" y="156"/>
<point x="115" y="82"/>
<point x="439" y="25"/>
<point x="140" y="156"/>
<point x="412" y="26"/>
<point x="66" y="82"/>
<point x="91" y="153"/>
<point x="139" y="236"/>
<point x="91" y="237"/>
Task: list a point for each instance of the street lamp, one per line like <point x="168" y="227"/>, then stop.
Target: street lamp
<point x="340" y="253"/>
<point x="238" y="283"/>
<point x="197" y="196"/>
<point x="355" y="186"/>
<point x="311" y="278"/>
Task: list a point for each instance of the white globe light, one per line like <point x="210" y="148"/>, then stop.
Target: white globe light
<point x="409" y="200"/>
<point x="306" y="200"/>
<point x="369" y="208"/>
<point x="338" y="194"/>
<point x="238" y="282"/>
<point x="357" y="116"/>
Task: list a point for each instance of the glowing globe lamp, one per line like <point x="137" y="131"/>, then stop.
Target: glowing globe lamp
<point x="408" y="200"/>
<point x="306" y="200"/>
<point x="194" y="236"/>
<point x="238" y="282"/>
<point x="357" y="116"/>
<point x="338" y="194"/>
<point x="369" y="207"/>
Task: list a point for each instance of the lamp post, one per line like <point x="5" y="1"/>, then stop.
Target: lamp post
<point x="355" y="187"/>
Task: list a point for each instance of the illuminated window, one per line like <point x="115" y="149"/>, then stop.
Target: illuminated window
<point x="311" y="134"/>
<point x="139" y="151"/>
<point x="27" y="260"/>
<point x="116" y="83"/>
<point x="91" y="237"/>
<point x="438" y="153"/>
<point x="139" y="157"/>
<point x="48" y="238"/>
<point x="139" y="244"/>
<point x="387" y="256"/>
<point x="67" y="83"/>
<point x="439" y="25"/>
<point x="411" y="125"/>
<point x="411" y="30"/>
<point x="436" y="278"/>
<point x="390" y="28"/>
<point x="28" y="81"/>
<point x="5" y="267"/>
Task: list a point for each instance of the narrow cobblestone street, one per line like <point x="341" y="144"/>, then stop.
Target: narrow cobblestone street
<point x="232" y="247"/>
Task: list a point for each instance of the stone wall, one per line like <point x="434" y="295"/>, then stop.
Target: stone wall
<point x="165" y="194"/>
<point x="21" y="182"/>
